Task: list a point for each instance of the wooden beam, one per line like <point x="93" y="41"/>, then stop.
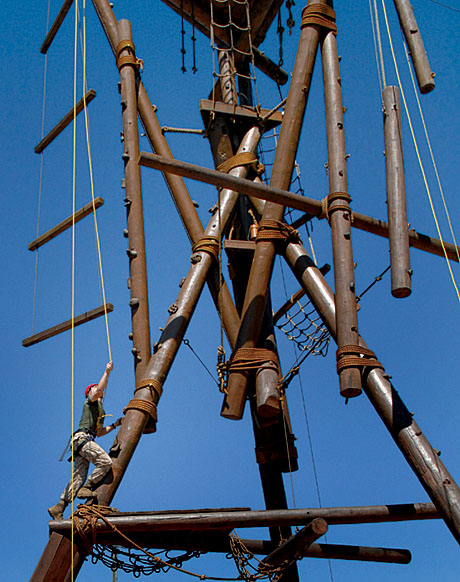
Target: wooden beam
<point x="65" y="224"/>
<point x="55" y="26"/>
<point x="66" y="325"/>
<point x="304" y="203"/>
<point x="294" y="548"/>
<point x="205" y="521"/>
<point x="61" y="125"/>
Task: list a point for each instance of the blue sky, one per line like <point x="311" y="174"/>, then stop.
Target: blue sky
<point x="197" y="459"/>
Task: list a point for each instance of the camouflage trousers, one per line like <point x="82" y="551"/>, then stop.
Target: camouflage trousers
<point x="89" y="453"/>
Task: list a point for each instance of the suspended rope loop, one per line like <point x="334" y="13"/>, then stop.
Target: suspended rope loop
<point x="319" y="15"/>
<point x="207" y="244"/>
<point x="242" y="159"/>
<point x="351" y="356"/>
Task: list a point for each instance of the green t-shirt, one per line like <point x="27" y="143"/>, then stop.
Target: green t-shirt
<point x="91" y="416"/>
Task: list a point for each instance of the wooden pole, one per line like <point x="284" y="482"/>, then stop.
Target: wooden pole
<point x="396" y="194"/>
<point x="340" y="219"/>
<point x="218" y="519"/>
<point x="139" y="301"/>
<point x="264" y="256"/>
<point x="425" y="77"/>
<point x="418" y="452"/>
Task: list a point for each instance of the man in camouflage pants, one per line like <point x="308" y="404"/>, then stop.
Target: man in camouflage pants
<point x="85" y="450"/>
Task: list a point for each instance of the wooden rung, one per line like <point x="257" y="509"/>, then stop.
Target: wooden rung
<point x="61" y="125"/>
<point x="65" y="224"/>
<point x="66" y="325"/>
<point x="55" y="26"/>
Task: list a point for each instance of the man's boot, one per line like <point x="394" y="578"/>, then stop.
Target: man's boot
<point x="57" y="511"/>
<point x="85" y="491"/>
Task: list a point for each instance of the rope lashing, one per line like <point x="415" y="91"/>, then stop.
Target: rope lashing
<point x="319" y="15"/>
<point x="276" y="231"/>
<point x="350" y="356"/>
<point x="144" y="406"/>
<point x="242" y="159"/>
<point x="152" y="384"/>
<point x="246" y="359"/>
<point x="129" y="59"/>
<point x="327" y="209"/>
<point x="208" y="244"/>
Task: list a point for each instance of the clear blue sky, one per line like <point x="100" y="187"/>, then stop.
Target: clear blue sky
<point x="197" y="459"/>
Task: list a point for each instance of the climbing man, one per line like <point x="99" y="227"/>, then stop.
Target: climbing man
<point x="85" y="450"/>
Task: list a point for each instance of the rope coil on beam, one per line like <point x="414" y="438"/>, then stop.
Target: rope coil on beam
<point x="326" y="205"/>
<point x="319" y="15"/>
<point x="241" y="159"/>
<point x="208" y="244"/>
<point x="276" y="231"/>
<point x="350" y="356"/>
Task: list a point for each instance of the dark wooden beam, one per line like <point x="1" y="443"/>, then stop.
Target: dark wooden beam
<point x="65" y="224"/>
<point x="66" y="325"/>
<point x="311" y="206"/>
<point x="202" y="521"/>
<point x="55" y="26"/>
<point x="65" y="121"/>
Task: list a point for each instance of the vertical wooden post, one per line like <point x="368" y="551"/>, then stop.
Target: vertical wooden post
<point x="340" y="218"/>
<point x="129" y="76"/>
<point x="264" y="255"/>
<point x="396" y="194"/>
<point x="425" y="77"/>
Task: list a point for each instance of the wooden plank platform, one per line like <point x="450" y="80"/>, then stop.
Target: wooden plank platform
<point x="65" y="224"/>
<point x="65" y="121"/>
<point x="66" y="325"/>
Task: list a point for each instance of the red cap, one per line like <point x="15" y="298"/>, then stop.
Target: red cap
<point x="88" y="388"/>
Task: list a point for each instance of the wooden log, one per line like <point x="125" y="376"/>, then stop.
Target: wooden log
<point x="65" y="224"/>
<point x="396" y="194"/>
<point x="309" y="205"/>
<point x="202" y="521"/>
<point x="294" y="548"/>
<point x="66" y="325"/>
<point x="425" y="77"/>
<point x="55" y="26"/>
<point x="65" y="121"/>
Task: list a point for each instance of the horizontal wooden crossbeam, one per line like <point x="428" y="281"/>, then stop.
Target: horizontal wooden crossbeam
<point x="303" y="203"/>
<point x="65" y="121"/>
<point x="205" y="520"/>
<point x="55" y="26"/>
<point x="66" y="325"/>
<point x="65" y="224"/>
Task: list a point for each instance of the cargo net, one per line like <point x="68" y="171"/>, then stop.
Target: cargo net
<point x="304" y="327"/>
<point x="147" y="562"/>
<point x="231" y="19"/>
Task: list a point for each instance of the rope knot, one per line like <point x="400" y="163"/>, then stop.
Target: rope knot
<point x="276" y="231"/>
<point x="319" y="15"/>
<point x="327" y="206"/>
<point x="208" y="244"/>
<point x="242" y="159"/>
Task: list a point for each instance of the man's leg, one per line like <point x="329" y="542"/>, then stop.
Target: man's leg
<point x="95" y="454"/>
<point x="79" y="473"/>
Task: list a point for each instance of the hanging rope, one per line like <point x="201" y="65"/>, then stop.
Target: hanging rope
<point x="74" y="163"/>
<point x="40" y="184"/>
<point x="417" y="151"/>
<point x="90" y="164"/>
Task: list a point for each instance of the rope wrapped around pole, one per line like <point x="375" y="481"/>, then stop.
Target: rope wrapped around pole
<point x="356" y="357"/>
<point x="319" y="15"/>
<point x="276" y="231"/>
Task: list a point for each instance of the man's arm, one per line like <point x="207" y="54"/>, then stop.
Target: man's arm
<point x="98" y="391"/>
<point x="109" y="428"/>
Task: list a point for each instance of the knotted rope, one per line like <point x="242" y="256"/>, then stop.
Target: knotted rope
<point x="208" y="244"/>
<point x="128" y="59"/>
<point x="276" y="231"/>
<point x="326" y="205"/>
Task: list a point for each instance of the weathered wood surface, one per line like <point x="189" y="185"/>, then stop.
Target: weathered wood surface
<point x="65" y="224"/>
<point x="66" y="325"/>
